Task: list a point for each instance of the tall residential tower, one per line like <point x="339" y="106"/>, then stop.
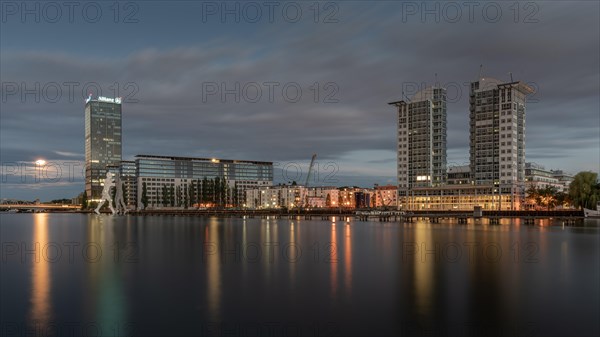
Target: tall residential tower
<point x="102" y="142"/>
<point x="497" y="135"/>
<point x="421" y="140"/>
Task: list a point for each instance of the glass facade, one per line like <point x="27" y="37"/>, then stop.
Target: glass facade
<point x="199" y="168"/>
<point x="102" y="143"/>
<point x="459" y="198"/>
<point x="186" y="173"/>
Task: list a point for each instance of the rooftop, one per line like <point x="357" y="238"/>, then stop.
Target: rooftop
<point x="212" y="160"/>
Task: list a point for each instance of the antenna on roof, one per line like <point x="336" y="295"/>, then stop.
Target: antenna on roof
<point x="436" y="84"/>
<point x="480" y="71"/>
<point x="511" y="79"/>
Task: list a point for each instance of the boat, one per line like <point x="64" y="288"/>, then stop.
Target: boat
<point x="590" y="213"/>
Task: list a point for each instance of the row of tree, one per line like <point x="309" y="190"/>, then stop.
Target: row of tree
<point x="584" y="192"/>
<point x="214" y="192"/>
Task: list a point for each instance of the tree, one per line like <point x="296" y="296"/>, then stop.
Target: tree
<point x="328" y="200"/>
<point x="177" y="196"/>
<point x="165" y="196"/>
<point x="172" y="196"/>
<point x="185" y="196"/>
<point x="84" y="201"/>
<point x="192" y="193"/>
<point x="217" y="191"/>
<point x="224" y="194"/>
<point x="198" y="192"/>
<point x="144" y="195"/>
<point x="548" y="197"/>
<point x="236" y="201"/>
<point x="545" y="197"/>
<point x="584" y="190"/>
<point x="204" y="190"/>
<point x="211" y="191"/>
<point x="562" y="199"/>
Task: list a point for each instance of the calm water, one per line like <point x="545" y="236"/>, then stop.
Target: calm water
<point x="66" y="274"/>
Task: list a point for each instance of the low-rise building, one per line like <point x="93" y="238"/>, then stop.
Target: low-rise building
<point x="323" y="197"/>
<point x="168" y="181"/>
<point x="536" y="176"/>
<point x="460" y="198"/>
<point x="386" y="196"/>
<point x="293" y="196"/>
<point x="459" y="175"/>
<point x="275" y="197"/>
<point x="564" y="178"/>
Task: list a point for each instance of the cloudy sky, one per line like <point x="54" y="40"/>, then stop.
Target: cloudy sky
<point x="283" y="80"/>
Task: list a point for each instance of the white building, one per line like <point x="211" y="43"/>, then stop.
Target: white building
<point x="386" y="196"/>
<point x="538" y="177"/>
<point x="421" y="140"/>
<point x="273" y="197"/>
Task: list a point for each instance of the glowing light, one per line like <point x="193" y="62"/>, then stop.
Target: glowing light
<point x="40" y="162"/>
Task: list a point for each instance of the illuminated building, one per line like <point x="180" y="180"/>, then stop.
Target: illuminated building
<point x="495" y="178"/>
<point x="191" y="178"/>
<point x="102" y="141"/>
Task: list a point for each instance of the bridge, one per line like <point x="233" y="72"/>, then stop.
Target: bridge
<point x="38" y="207"/>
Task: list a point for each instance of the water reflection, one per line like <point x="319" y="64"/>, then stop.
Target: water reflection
<point x="348" y="258"/>
<point x="423" y="270"/>
<point x="292" y="257"/>
<point x="213" y="265"/>
<point x="333" y="265"/>
<point x="40" y="271"/>
<point x="375" y="278"/>
<point x="106" y="254"/>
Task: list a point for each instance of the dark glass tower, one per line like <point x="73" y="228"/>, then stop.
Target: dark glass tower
<point x="102" y="142"/>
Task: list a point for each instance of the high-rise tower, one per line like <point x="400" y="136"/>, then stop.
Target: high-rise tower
<point x="422" y="140"/>
<point x="102" y="141"/>
<point x="497" y="135"/>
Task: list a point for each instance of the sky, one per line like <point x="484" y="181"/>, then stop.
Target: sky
<point x="279" y="81"/>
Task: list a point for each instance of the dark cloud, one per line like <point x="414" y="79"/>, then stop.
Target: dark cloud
<point x="369" y="56"/>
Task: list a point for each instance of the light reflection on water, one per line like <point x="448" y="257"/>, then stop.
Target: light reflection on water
<point x="40" y="273"/>
<point x="509" y="278"/>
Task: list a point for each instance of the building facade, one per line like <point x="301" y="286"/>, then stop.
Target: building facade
<point x="536" y="176"/>
<point x="386" y="196"/>
<point x="294" y="196"/>
<point x="495" y="177"/>
<point x="564" y="178"/>
<point x="497" y="136"/>
<point x="421" y="140"/>
<point x="102" y="142"/>
<point x="128" y="172"/>
<point x="457" y="198"/>
<point x="276" y="197"/>
<point x="459" y="175"/>
<point x="167" y="181"/>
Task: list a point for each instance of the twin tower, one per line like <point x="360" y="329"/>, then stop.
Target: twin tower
<point x="497" y="149"/>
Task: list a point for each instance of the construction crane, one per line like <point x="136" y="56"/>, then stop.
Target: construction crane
<point x="310" y="167"/>
<point x="312" y="163"/>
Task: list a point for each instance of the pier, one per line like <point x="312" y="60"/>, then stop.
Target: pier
<point x="567" y="217"/>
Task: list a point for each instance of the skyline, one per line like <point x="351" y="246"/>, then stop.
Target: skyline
<point x="172" y="68"/>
